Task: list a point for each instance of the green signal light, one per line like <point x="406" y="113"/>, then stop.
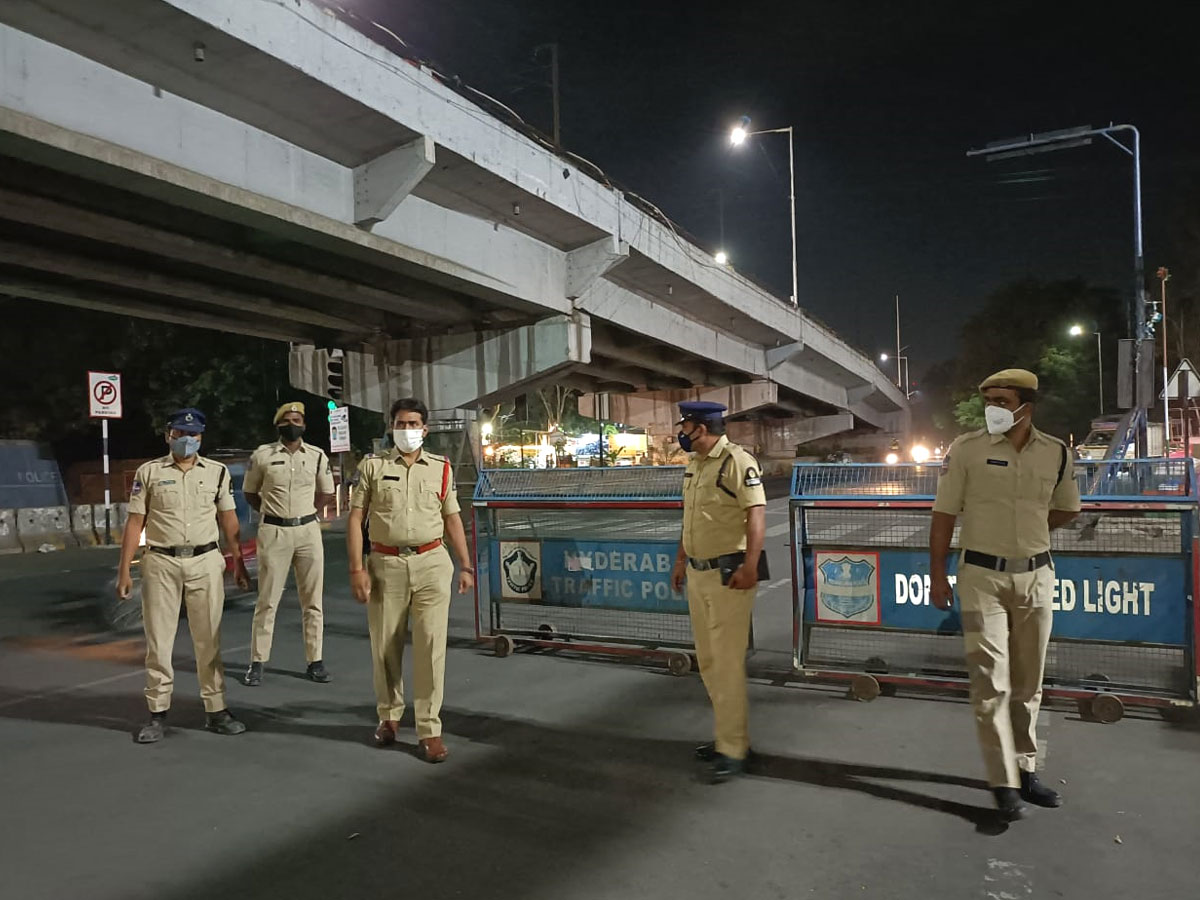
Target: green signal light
<point x="331" y="406"/>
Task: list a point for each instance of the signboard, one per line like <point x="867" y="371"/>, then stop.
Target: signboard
<point x="1172" y="389"/>
<point x="627" y="575"/>
<point x="104" y="395"/>
<point x="339" y="430"/>
<point x="1096" y="598"/>
<point x="847" y="587"/>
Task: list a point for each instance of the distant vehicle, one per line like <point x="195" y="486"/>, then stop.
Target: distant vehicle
<point x="839" y="456"/>
<point x="126" y="615"/>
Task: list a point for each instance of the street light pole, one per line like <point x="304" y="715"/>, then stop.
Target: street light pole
<point x="737" y="137"/>
<point x="898" y="348"/>
<point x="1163" y="276"/>
<point x="1100" y="366"/>
<point x="1080" y="137"/>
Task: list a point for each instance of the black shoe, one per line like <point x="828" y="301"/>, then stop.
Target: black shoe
<point x="253" y="676"/>
<point x="1008" y="802"/>
<point x="707" y="752"/>
<point x="151" y="732"/>
<point x="223" y="722"/>
<point x="1033" y="791"/>
<point x="318" y="673"/>
<point x="726" y="767"/>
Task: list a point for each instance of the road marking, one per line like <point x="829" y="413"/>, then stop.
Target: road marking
<point x="777" y="530"/>
<point x="1007" y="880"/>
<point x="775" y="584"/>
<point x="89" y="684"/>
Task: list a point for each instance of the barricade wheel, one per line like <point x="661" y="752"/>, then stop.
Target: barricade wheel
<point x="679" y="663"/>
<point x="864" y="688"/>
<point x="1108" y="708"/>
<point x="503" y="645"/>
<point x="546" y="630"/>
<point x="1179" y="715"/>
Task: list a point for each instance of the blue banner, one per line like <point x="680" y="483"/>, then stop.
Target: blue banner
<point x="1113" y="598"/>
<point x="621" y="575"/>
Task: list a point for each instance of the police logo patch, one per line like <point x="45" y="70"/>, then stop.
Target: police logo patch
<point x="752" y="478"/>
<point x="520" y="571"/>
<point x="945" y="465"/>
<point x="136" y="488"/>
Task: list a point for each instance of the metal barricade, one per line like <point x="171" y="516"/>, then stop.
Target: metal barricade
<point x="1125" y="620"/>
<point x="581" y="559"/>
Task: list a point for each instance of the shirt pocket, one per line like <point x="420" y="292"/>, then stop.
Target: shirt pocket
<point x="428" y="500"/>
<point x="389" y="494"/>
<point x="166" y="498"/>
<point x="1037" y="486"/>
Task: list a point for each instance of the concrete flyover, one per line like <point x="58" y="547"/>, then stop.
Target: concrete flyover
<point x="265" y="168"/>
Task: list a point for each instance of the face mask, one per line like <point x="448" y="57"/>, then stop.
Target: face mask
<point x="290" y="432"/>
<point x="1000" y="420"/>
<point x="685" y="442"/>
<point x="185" y="445"/>
<point x="408" y="440"/>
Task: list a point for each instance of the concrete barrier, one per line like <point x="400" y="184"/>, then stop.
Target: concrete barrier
<point x="9" y="542"/>
<point x="81" y="526"/>
<point x="120" y="515"/>
<point x="45" y="525"/>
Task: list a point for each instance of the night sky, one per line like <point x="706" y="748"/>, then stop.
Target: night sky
<point x="885" y="99"/>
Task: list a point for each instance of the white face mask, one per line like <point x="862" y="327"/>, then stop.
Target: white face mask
<point x="1000" y="420"/>
<point x="408" y="440"/>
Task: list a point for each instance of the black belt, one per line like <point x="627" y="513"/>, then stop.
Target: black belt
<point x="1000" y="564"/>
<point x="703" y="565"/>
<point x="289" y="523"/>
<point x="183" y="552"/>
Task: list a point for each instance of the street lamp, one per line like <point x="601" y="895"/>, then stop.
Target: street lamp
<point x="1079" y="331"/>
<point x="737" y="137"/>
<point x="722" y="258"/>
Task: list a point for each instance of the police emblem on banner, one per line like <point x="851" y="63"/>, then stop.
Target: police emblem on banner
<point x="521" y="570"/>
<point x="847" y="587"/>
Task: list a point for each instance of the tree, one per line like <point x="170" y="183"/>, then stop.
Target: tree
<point x="1026" y="325"/>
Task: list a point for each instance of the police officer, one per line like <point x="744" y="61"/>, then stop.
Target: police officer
<point x="724" y="521"/>
<point x="179" y="499"/>
<point x="1012" y="485"/>
<point x="286" y="482"/>
<point x="407" y="495"/>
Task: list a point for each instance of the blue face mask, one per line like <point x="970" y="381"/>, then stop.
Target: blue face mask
<point x="185" y="445"/>
<point x="685" y="442"/>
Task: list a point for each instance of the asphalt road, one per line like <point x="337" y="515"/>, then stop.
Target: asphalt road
<point x="568" y="777"/>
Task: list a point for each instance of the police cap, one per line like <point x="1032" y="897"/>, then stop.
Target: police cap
<point x="1016" y="379"/>
<point x="295" y="406"/>
<point x="189" y="421"/>
<point x="701" y="411"/>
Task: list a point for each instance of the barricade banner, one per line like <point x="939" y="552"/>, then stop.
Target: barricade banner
<point x="581" y="555"/>
<point x="1125" y="621"/>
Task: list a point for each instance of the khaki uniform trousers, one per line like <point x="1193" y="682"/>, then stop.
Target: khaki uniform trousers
<point x="721" y="630"/>
<point x="408" y="589"/>
<point x="200" y="583"/>
<point x="279" y="547"/>
<point x="1006" y="625"/>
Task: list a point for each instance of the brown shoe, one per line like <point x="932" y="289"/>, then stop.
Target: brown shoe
<point x="385" y="734"/>
<point x="433" y="750"/>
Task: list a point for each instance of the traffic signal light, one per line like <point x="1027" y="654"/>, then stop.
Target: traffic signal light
<point x="335" y="374"/>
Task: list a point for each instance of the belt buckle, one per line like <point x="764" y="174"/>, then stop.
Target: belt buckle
<point x="185" y="552"/>
<point x="407" y="551"/>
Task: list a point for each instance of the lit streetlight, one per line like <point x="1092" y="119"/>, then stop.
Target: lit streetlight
<point x="737" y="137"/>
<point x="1079" y="331"/>
<point x="722" y="258"/>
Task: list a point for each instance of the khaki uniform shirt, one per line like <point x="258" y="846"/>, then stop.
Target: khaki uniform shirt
<point x="181" y="507"/>
<point x="288" y="483"/>
<point x="1005" y="495"/>
<point x="717" y="490"/>
<point x="404" y="503"/>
